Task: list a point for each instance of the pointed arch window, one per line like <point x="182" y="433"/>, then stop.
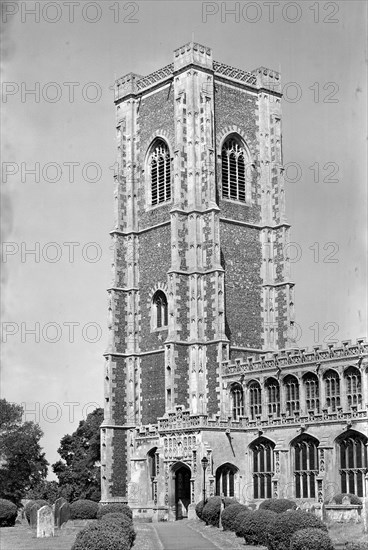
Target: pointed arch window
<point x="353" y="462"/>
<point x="237" y="400"/>
<point x="152" y="457"/>
<point x="311" y="384"/>
<point x="233" y="160"/>
<point x="291" y="385"/>
<point x="255" y="399"/>
<point x="263" y="467"/>
<point x="305" y="466"/>
<point x="160" y="310"/>
<point x="225" y="480"/>
<point x="273" y="396"/>
<point x="332" y="388"/>
<point x="160" y="173"/>
<point x="353" y="386"/>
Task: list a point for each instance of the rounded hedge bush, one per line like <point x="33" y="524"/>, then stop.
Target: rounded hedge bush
<point x="83" y="509"/>
<point x="211" y="511"/>
<point x="8" y="513"/>
<point x="311" y="539"/>
<point x="229" y="501"/>
<point x="338" y="498"/>
<point x="286" y="524"/>
<point x="100" y="536"/>
<point x="114" y="508"/>
<point x="122" y="521"/>
<point x="277" y="505"/>
<point x="254" y="526"/>
<point x="28" y="506"/>
<point x="229" y="516"/>
<point x="199" y="508"/>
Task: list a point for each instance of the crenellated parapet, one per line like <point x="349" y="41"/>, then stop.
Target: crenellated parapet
<point x="297" y="357"/>
<point x="193" y="54"/>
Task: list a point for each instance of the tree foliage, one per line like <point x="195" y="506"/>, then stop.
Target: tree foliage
<point x="78" y="470"/>
<point x="22" y="462"/>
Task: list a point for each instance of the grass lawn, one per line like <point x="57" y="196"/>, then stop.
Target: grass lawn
<point x="347" y="532"/>
<point x="21" y="537"/>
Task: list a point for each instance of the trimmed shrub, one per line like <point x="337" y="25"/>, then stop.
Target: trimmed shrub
<point x="229" y="501"/>
<point x="8" y="513"/>
<point x="28" y="506"/>
<point x="122" y="521"/>
<point x="199" y="509"/>
<point x="83" y="509"/>
<point x="338" y="498"/>
<point x="286" y="524"/>
<point x="277" y="505"/>
<point x="229" y="516"/>
<point x="211" y="511"/>
<point x="254" y="526"/>
<point x="114" y="508"/>
<point x="100" y="536"/>
<point x="311" y="539"/>
<point x="357" y="545"/>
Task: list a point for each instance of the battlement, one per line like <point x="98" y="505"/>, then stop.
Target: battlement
<point x="295" y="357"/>
<point x="196" y="54"/>
<point x="268" y="79"/>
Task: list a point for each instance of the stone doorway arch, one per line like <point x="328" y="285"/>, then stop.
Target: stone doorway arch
<point x="181" y="474"/>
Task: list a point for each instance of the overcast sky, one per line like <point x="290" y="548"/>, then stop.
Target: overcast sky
<point x="66" y="131"/>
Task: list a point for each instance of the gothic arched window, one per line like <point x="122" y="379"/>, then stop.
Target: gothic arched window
<point x="273" y="396"/>
<point x="332" y="388"/>
<point x="233" y="157"/>
<point x="160" y="164"/>
<point x="225" y="475"/>
<point x="237" y="400"/>
<point x="291" y="385"/>
<point x="160" y="311"/>
<point x="305" y="466"/>
<point x="263" y="469"/>
<point x="353" y="462"/>
<point x="255" y="399"/>
<point x="152" y="457"/>
<point x="353" y="386"/>
<point x="311" y="384"/>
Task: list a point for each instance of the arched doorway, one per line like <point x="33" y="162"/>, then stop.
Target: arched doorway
<point x="182" y="475"/>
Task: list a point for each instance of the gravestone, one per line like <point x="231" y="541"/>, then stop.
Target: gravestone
<point x="64" y="513"/>
<point x="33" y="516"/>
<point x="45" y="522"/>
<point x="57" y="506"/>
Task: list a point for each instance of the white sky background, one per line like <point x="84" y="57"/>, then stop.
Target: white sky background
<point x="309" y="53"/>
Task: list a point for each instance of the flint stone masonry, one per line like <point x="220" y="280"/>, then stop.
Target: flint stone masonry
<point x="224" y="379"/>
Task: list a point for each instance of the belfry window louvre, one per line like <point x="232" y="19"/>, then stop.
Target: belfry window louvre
<point x="161" y="309"/>
<point x="233" y="171"/>
<point x="160" y="173"/>
<point x="353" y="463"/>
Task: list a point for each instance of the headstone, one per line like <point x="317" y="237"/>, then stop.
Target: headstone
<point x="64" y="513"/>
<point x="33" y="516"/>
<point x="58" y="504"/>
<point x="45" y="522"/>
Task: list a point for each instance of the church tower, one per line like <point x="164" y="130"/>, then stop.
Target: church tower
<point x="200" y="275"/>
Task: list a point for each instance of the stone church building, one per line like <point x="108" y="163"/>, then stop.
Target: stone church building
<point x="201" y="362"/>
